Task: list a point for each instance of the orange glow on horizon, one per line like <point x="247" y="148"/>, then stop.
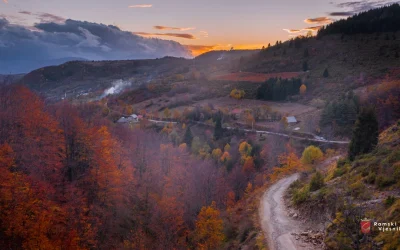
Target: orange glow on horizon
<point x="201" y="49"/>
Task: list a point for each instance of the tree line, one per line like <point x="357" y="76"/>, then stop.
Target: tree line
<point x="384" y="19"/>
<point x="277" y="89"/>
<point x="339" y="116"/>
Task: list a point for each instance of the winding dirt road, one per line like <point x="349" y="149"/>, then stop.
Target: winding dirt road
<point x="278" y="226"/>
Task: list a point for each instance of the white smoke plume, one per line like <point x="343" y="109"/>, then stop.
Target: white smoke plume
<point x="117" y="87"/>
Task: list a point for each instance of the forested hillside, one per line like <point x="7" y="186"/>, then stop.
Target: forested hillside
<point x="72" y="178"/>
<point x="380" y="20"/>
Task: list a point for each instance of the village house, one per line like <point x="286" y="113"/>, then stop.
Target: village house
<point x="291" y="120"/>
<point x="129" y="119"/>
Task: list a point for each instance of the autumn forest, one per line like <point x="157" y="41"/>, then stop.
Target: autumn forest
<point x="72" y="178"/>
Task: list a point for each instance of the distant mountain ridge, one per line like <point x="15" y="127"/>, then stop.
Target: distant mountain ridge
<point x="26" y="66"/>
<point x="23" y="50"/>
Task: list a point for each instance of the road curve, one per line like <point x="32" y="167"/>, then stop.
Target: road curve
<point x="279" y="228"/>
<point x="275" y="222"/>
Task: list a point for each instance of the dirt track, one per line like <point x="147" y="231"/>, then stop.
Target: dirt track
<point x="280" y="228"/>
<point x="277" y="225"/>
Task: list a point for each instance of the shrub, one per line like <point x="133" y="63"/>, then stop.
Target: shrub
<point x="393" y="157"/>
<point x="317" y="181"/>
<point x="370" y="178"/>
<point x="390" y="201"/>
<point x="301" y="195"/>
<point x="339" y="172"/>
<point x="358" y="190"/>
<point x="385" y="181"/>
<point x="312" y="155"/>
<point x="295" y="185"/>
<point x="341" y="162"/>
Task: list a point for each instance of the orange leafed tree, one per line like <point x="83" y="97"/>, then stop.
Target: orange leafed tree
<point x="303" y="89"/>
<point x="248" y="165"/>
<point x="30" y="220"/>
<point x="289" y="162"/>
<point x="168" y="224"/>
<point x="209" y="228"/>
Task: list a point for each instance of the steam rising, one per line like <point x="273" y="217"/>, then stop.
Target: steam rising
<point x="117" y="87"/>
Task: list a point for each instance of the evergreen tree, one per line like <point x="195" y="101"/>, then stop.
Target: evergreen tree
<point x="297" y="43"/>
<point x="277" y="89"/>
<point x="305" y="66"/>
<point x="218" y="131"/>
<point x="326" y="73"/>
<point x="305" y="53"/>
<point x="365" y="133"/>
<point x="188" y="137"/>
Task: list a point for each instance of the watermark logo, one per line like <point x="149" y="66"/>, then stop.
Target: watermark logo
<point x="365" y="226"/>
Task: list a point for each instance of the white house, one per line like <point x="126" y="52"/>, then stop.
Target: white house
<point x="128" y="119"/>
<point x="291" y="120"/>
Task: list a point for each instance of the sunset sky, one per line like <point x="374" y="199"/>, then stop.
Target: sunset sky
<point x="202" y="24"/>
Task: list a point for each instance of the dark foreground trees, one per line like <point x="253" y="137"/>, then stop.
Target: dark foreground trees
<point x="365" y="133"/>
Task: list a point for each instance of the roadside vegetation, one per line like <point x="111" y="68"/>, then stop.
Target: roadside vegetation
<point x="366" y="187"/>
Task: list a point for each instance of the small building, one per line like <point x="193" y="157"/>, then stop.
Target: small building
<point x="134" y="117"/>
<point x="291" y="120"/>
<point x="128" y="119"/>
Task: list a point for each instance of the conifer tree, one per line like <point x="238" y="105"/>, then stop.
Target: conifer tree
<point x="305" y="66"/>
<point x="218" y="131"/>
<point x="305" y="53"/>
<point x="188" y="137"/>
<point x="365" y="133"/>
<point x="326" y="73"/>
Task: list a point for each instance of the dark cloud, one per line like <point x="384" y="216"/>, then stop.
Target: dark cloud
<point x="179" y="35"/>
<point x="25" y="12"/>
<point x="343" y="13"/>
<point x="318" y="20"/>
<point x="158" y="27"/>
<point x="314" y="28"/>
<point x="47" y="17"/>
<point x="3" y="22"/>
<point x="354" y="7"/>
<point x="79" y="39"/>
<point x="44" y="17"/>
<point x="292" y="31"/>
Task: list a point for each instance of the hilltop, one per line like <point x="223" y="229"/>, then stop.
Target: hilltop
<point x="79" y="77"/>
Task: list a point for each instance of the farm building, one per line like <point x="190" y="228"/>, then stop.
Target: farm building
<point x="291" y="120"/>
<point x="128" y="119"/>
